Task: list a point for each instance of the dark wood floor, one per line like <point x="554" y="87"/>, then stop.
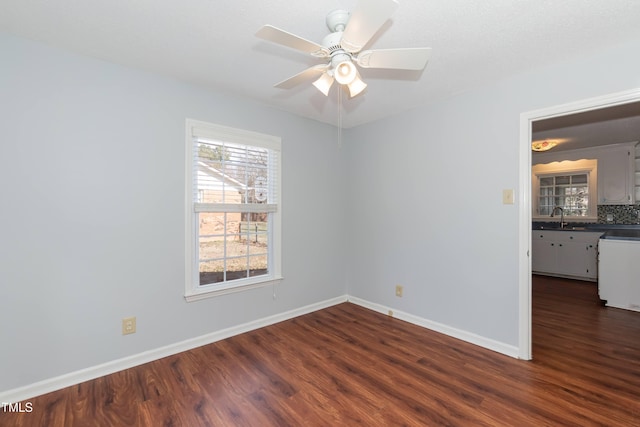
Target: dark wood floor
<point x="346" y="366"/>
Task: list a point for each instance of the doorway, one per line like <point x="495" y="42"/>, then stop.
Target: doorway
<point x="527" y="121"/>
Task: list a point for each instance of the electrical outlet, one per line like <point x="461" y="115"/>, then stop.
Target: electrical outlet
<point x="128" y="325"/>
<point x="399" y="290"/>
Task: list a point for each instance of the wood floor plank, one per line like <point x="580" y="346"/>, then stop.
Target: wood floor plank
<point x="347" y="366"/>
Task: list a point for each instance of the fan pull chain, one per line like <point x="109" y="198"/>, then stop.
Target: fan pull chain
<point x="339" y="117"/>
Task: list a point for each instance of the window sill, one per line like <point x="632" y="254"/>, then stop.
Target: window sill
<point x="211" y="291"/>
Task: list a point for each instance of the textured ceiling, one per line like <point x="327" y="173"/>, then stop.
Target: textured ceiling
<point x="211" y="43"/>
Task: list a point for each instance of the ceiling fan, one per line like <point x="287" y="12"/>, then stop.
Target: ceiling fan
<point x="343" y="48"/>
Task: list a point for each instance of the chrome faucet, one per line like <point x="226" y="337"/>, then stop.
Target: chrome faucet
<point x="561" y="215"/>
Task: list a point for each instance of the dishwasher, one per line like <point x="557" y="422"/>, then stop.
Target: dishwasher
<point x="619" y="268"/>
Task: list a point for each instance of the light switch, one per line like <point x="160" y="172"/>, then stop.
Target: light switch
<point x="507" y="196"/>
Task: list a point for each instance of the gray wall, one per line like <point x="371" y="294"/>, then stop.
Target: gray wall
<point x="425" y="197"/>
<point x="92" y="218"/>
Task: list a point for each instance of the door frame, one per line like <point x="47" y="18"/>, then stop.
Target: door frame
<point x="524" y="199"/>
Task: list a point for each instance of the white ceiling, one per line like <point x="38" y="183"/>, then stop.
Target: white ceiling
<point x="211" y="43"/>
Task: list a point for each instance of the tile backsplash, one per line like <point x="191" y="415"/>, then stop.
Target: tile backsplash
<point x="619" y="214"/>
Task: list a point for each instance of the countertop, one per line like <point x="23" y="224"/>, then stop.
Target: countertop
<point x="622" y="234"/>
<point x="585" y="226"/>
<point x="611" y="231"/>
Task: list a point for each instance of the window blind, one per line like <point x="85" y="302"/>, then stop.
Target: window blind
<point x="234" y="172"/>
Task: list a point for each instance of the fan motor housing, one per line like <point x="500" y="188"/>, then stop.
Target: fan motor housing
<point x="332" y="41"/>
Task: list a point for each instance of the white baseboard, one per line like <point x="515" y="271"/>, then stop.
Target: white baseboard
<point x="469" y="337"/>
<point x="77" y="377"/>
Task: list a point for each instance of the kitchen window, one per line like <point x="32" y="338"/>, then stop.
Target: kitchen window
<point x="570" y="192"/>
<point x="570" y="185"/>
<point x="233" y="210"/>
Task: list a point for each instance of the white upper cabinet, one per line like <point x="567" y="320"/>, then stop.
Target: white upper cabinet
<point x="637" y="175"/>
<point x="616" y="184"/>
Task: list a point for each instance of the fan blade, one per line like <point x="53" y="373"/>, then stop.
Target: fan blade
<point x="367" y="18"/>
<point x="276" y="35"/>
<point x="400" y="59"/>
<point x="307" y="74"/>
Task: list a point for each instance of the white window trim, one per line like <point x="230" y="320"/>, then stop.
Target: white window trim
<point x="193" y="291"/>
<point x="587" y="166"/>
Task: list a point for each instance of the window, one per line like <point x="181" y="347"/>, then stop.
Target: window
<point x="233" y="210"/>
<point x="570" y="192"/>
<point x="570" y="185"/>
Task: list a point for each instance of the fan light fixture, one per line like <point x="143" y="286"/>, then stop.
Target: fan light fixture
<point x="356" y="86"/>
<point x="323" y="84"/>
<point x="345" y="72"/>
<point x="543" y="145"/>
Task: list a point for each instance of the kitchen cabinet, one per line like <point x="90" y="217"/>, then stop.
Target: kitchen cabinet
<point x="637" y="175"/>
<point x="572" y="254"/>
<point x="616" y="175"/>
<point x="619" y="273"/>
